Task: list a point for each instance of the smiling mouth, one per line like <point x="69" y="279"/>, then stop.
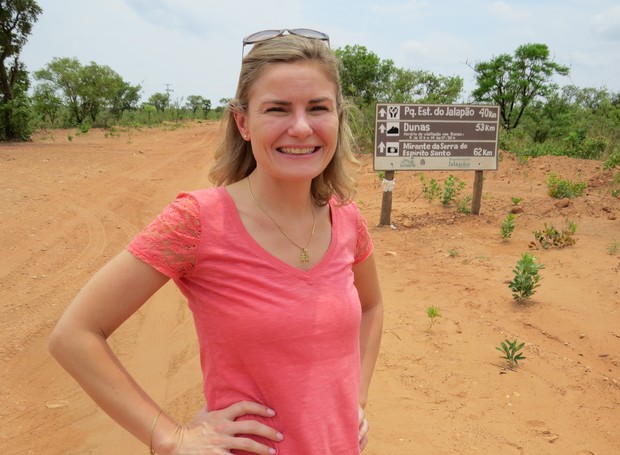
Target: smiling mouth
<point x="297" y="151"/>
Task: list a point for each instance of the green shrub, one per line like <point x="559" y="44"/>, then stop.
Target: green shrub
<point x="561" y="188"/>
<point x="508" y="226"/>
<point x="550" y="236"/>
<point x="451" y="189"/>
<point x="432" y="189"/>
<point x="526" y="277"/>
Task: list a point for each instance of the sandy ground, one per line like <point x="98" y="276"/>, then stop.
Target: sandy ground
<point x="66" y="207"/>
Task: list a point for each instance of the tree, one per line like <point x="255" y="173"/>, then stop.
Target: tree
<point x="88" y="89"/>
<point x="17" y="18"/>
<point x="126" y="99"/>
<point x="514" y="81"/>
<point x="194" y="102"/>
<point x="367" y="79"/>
<point x="363" y="75"/>
<point x="46" y="103"/>
<point x="159" y="100"/>
<point x="407" y="86"/>
<point x="206" y="107"/>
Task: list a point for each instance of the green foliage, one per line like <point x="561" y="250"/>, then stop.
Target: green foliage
<point x="84" y="128"/>
<point x="560" y="188"/>
<point x="431" y="190"/>
<point x="508" y="226"/>
<point x="514" y="81"/>
<point x="613" y="248"/>
<point x="526" y="277"/>
<point x="612" y="161"/>
<point x="363" y="74"/>
<point x="88" y="90"/>
<point x="446" y="193"/>
<point x="46" y="103"/>
<point x="577" y="122"/>
<point x="615" y="186"/>
<point x="160" y="101"/>
<point x="15" y="117"/>
<point x="579" y="145"/>
<point x="551" y="237"/>
<point x="16" y="21"/>
<point x="511" y="351"/>
<point x="452" y="188"/>
<point x="516" y="200"/>
<point x="463" y="205"/>
<point x="367" y="79"/>
<point x="433" y="313"/>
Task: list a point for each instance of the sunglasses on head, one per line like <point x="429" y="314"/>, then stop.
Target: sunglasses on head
<point x="265" y="35"/>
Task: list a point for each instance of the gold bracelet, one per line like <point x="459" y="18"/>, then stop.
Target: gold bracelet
<point x="151" y="451"/>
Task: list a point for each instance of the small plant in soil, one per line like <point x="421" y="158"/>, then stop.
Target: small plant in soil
<point x="433" y="313"/>
<point x="452" y="187"/>
<point x="511" y="351"/>
<point x="551" y="237"/>
<point x="526" y="277"/>
<point x="447" y="193"/>
<point x="516" y="200"/>
<point x="613" y="248"/>
<point x="508" y="226"/>
<point x="431" y="189"/>
<point x="463" y="205"/>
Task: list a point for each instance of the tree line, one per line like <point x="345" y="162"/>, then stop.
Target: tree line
<point x="538" y="117"/>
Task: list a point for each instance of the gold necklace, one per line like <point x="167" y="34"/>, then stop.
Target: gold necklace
<point x="304" y="256"/>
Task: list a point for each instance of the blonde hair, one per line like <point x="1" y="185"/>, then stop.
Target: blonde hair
<point x="233" y="156"/>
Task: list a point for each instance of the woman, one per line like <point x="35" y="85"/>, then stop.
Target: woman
<point x="277" y="266"/>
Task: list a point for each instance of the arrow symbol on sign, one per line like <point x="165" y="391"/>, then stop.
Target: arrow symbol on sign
<point x="381" y="148"/>
<point x="382" y="113"/>
<point x="382" y="128"/>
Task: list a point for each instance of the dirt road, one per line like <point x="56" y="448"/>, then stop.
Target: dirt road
<point x="67" y="206"/>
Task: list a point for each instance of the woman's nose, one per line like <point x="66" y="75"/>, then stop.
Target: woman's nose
<point x="300" y="126"/>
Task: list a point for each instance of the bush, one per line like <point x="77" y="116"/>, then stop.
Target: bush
<point x="526" y="277"/>
<point x="560" y="188"/>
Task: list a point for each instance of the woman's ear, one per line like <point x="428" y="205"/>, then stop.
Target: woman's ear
<point x="241" y="122"/>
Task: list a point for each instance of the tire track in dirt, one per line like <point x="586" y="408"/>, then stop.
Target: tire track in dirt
<point x="97" y="211"/>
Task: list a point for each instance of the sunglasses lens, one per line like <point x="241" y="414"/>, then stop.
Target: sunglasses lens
<point x="261" y="36"/>
<point x="309" y="33"/>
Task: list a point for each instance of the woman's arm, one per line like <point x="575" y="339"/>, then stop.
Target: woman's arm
<point x="369" y="290"/>
<point x="367" y="284"/>
<point x="79" y="343"/>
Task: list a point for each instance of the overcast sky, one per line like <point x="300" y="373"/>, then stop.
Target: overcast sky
<point x="195" y="45"/>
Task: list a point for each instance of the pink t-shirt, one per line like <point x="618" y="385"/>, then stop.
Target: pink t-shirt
<point x="268" y="332"/>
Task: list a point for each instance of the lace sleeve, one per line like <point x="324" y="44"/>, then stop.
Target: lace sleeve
<point x="364" y="245"/>
<point x="170" y="242"/>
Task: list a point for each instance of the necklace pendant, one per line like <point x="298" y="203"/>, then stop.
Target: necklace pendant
<point x="304" y="257"/>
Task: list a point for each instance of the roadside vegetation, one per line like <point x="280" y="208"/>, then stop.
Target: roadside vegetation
<point x="537" y="116"/>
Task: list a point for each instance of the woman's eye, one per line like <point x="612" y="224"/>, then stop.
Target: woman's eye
<point x="275" y="109"/>
<point x="319" y="108"/>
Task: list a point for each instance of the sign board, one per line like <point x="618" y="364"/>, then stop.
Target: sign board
<point x="436" y="137"/>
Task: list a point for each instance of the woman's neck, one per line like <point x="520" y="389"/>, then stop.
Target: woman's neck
<point x="280" y="196"/>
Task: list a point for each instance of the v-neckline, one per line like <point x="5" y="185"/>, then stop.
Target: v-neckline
<point x="261" y="252"/>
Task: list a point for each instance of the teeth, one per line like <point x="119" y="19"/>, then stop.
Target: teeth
<point x="297" y="151"/>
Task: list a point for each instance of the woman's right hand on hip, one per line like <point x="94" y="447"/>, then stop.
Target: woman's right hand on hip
<point x="216" y="432"/>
